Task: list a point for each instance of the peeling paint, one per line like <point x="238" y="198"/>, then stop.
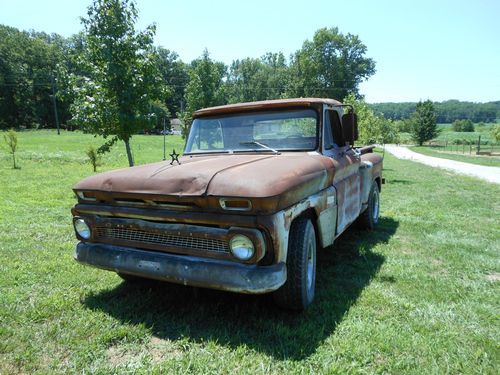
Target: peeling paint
<point x="158" y="213"/>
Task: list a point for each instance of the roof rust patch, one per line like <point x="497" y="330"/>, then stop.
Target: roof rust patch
<point x="265" y="104"/>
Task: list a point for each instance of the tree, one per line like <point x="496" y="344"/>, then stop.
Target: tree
<point x="68" y="71"/>
<point x="247" y="81"/>
<point x="204" y="89"/>
<point x="373" y="128"/>
<point x="115" y="96"/>
<point x="159" y="115"/>
<point x="332" y="65"/>
<point x="277" y="75"/>
<point x="424" y="122"/>
<point x="495" y="133"/>
<point x="403" y="126"/>
<point x="257" y="79"/>
<point x="175" y="74"/>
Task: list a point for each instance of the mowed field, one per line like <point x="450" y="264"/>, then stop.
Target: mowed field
<point x="488" y="161"/>
<point x="446" y="132"/>
<point x="464" y="153"/>
<point x="418" y="295"/>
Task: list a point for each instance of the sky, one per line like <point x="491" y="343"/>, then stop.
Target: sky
<point x="425" y="49"/>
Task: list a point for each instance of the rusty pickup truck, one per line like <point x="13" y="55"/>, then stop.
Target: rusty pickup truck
<point x="260" y="187"/>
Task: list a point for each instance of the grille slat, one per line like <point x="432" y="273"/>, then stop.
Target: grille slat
<point x="142" y="236"/>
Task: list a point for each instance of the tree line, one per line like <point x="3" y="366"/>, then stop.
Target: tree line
<point x="111" y="80"/>
<point x="446" y="112"/>
<point x="28" y="62"/>
<point x="40" y="75"/>
<point x="33" y="66"/>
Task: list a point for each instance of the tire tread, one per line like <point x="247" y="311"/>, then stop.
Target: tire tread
<point x="292" y="294"/>
<point x="366" y="218"/>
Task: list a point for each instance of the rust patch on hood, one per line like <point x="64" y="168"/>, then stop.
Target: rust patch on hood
<point x="283" y="179"/>
<point x="190" y="178"/>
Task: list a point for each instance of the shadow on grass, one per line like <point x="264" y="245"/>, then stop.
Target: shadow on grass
<point x="402" y="182"/>
<point x="173" y="311"/>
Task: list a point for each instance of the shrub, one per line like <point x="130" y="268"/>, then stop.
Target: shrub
<point x="11" y="140"/>
<point x="94" y="157"/>
<point x="463" y="125"/>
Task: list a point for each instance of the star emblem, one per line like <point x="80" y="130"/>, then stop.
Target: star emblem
<point x="175" y="157"/>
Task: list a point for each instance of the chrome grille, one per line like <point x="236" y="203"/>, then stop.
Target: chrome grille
<point x="168" y="240"/>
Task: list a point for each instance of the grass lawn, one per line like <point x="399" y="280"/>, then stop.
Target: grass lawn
<point x="418" y="295"/>
<point x="483" y="130"/>
<point x="448" y="135"/>
<point x="489" y="161"/>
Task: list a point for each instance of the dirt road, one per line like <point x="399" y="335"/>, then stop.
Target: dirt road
<point x="491" y="174"/>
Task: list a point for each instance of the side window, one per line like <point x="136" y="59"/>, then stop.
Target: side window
<point x="336" y="128"/>
<point x="327" y="131"/>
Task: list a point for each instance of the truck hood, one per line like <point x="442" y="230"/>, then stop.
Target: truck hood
<point x="296" y="175"/>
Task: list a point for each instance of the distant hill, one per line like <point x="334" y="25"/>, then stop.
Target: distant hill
<point x="446" y="112"/>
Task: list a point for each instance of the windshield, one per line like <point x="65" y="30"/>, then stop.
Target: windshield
<point x="255" y="132"/>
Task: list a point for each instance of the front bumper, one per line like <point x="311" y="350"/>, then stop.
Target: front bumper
<point x="180" y="269"/>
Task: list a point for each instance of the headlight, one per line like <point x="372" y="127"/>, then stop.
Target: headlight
<point x="82" y="228"/>
<point x="241" y="247"/>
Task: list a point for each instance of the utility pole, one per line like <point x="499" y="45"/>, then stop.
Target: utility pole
<point x="55" y="105"/>
<point x="164" y="140"/>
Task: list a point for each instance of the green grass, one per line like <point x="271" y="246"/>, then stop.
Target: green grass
<point x="46" y="146"/>
<point x="489" y="161"/>
<point x="448" y="134"/>
<point x="418" y="295"/>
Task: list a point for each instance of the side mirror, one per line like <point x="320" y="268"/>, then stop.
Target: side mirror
<point x="350" y="127"/>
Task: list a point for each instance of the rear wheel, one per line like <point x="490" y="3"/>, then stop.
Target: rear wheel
<point x="298" y="291"/>
<point x="369" y="218"/>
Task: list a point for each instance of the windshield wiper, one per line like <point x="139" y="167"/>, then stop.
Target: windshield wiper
<point x="259" y="144"/>
<point x="204" y="152"/>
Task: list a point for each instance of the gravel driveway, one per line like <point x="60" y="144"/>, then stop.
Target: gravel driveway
<point x="491" y="174"/>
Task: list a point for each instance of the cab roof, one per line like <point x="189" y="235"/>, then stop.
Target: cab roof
<point x="265" y="104"/>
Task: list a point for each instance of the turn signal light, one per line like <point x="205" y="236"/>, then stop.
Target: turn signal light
<point x="235" y="204"/>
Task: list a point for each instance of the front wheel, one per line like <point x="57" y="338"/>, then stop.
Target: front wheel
<point x="298" y="291"/>
<point x="369" y="218"/>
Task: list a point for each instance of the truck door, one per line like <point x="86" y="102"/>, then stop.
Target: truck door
<point x="347" y="177"/>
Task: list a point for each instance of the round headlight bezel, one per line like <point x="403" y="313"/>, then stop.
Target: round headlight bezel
<point x="242" y="247"/>
<point x="82" y="229"/>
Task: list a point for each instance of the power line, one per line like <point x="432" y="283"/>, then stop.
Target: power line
<point x="185" y="86"/>
<point x="26" y="84"/>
